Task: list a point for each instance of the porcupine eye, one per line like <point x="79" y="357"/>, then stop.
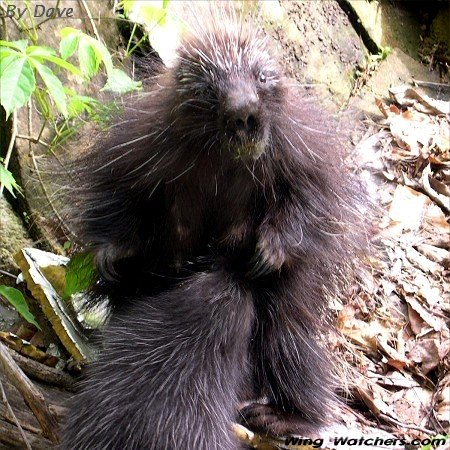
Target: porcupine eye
<point x="267" y="79"/>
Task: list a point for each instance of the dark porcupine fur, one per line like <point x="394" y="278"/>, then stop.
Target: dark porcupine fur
<point x="215" y="211"/>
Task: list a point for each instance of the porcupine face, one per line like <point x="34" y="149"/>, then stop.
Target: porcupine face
<point x="231" y="88"/>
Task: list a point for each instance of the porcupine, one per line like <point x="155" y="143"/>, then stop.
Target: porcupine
<point x="216" y="213"/>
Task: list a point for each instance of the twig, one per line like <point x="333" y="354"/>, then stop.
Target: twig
<point x="44" y="123"/>
<point x="30" y="29"/>
<point x="30" y="118"/>
<point x="30" y="393"/>
<point x="4" y="272"/>
<point x="10" y="146"/>
<point x="42" y="372"/>
<point x="13" y="416"/>
<point x="431" y="84"/>
<point x="88" y="12"/>
<point x="38" y="173"/>
<point x="14" y="20"/>
<point x="3" y="29"/>
<point x="11" y="438"/>
<point x="49" y="18"/>
<point x="47" y="195"/>
<point x="404" y="425"/>
<point x="12" y="140"/>
<point x="32" y="139"/>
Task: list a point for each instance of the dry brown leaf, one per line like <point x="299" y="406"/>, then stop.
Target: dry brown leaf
<point x="381" y="107"/>
<point x="361" y="333"/>
<point x="441" y="199"/>
<point x="438" y="163"/>
<point x="388" y="286"/>
<point x="394" y="357"/>
<point x="421" y="261"/>
<point x="416" y="134"/>
<point x="394" y="379"/>
<point x="415" y="321"/>
<point x="409" y="284"/>
<point x="412" y="406"/>
<point x="436" y="254"/>
<point x="440" y="187"/>
<point x="407" y="209"/>
<point x="426" y="354"/>
<point x="429" y="318"/>
<point x="417" y="283"/>
<point x="372" y="395"/>
<point x="432" y="295"/>
<point x="396" y="364"/>
<point x="393" y="109"/>
<point x="435" y="222"/>
<point x="406" y="96"/>
<point x="442" y="407"/>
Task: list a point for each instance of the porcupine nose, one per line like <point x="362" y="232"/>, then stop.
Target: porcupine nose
<point x="242" y="110"/>
<point x="245" y="113"/>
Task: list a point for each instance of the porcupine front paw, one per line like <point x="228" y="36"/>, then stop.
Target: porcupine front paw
<point x="270" y="255"/>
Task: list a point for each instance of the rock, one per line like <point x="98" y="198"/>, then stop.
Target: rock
<point x="317" y="44"/>
<point x="13" y="237"/>
<point x="389" y="25"/>
<point x="397" y="69"/>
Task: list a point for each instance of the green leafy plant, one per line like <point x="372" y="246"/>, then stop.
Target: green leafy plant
<point x="19" y="64"/>
<point x="162" y="26"/>
<point x="151" y="13"/>
<point x="7" y="180"/>
<point x="381" y="55"/>
<point x="91" y="54"/>
<point x="17" y="300"/>
<point x="23" y="65"/>
<point x="438" y="439"/>
<point x="80" y="274"/>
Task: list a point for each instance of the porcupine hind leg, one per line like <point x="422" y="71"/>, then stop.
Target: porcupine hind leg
<point x="291" y="368"/>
